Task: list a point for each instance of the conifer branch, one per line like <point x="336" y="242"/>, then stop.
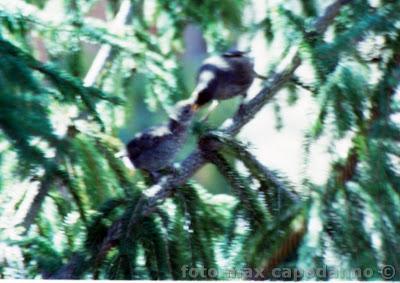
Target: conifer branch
<point x="61" y="78"/>
<point x="265" y="176"/>
<point x="246" y="112"/>
<point x="165" y="187"/>
<point x="288" y="246"/>
<point x="387" y="87"/>
<point x="71" y="270"/>
<point x="392" y="74"/>
<point x="45" y="185"/>
<point x="288" y="240"/>
<point x="322" y="23"/>
<point x="247" y="197"/>
<point x="348" y="170"/>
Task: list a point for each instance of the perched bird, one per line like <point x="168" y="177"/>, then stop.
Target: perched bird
<point x="155" y="148"/>
<point x="223" y="77"/>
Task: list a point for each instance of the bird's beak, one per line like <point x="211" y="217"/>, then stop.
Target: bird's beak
<point x="195" y="107"/>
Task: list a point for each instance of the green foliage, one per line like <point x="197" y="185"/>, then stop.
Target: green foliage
<point x="40" y="251"/>
<point x="211" y="16"/>
<point x="345" y="95"/>
<point x="81" y="213"/>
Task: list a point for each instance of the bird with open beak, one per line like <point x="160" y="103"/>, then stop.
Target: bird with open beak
<point x="155" y="148"/>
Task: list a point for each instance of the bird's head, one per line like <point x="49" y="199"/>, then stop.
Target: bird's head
<point x="241" y="57"/>
<point x="203" y="96"/>
<point x="184" y="112"/>
<point x="232" y="53"/>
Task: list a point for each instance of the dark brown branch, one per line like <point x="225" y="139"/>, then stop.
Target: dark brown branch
<point x="288" y="247"/>
<point x="348" y="170"/>
<point x="45" y="185"/>
<point x="323" y="22"/>
<point x="387" y="87"/>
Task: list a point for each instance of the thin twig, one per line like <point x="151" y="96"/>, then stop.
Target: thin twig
<point x="123" y="16"/>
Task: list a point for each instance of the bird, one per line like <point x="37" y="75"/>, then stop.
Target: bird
<point x="223" y="77"/>
<point x="155" y="148"/>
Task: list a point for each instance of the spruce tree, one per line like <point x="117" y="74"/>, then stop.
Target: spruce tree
<point x="70" y="208"/>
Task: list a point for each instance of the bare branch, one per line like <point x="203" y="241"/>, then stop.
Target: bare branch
<point x="323" y="22"/>
<point x="34" y="209"/>
<point x="123" y="16"/>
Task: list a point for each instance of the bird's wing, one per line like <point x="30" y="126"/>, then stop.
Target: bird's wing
<point x="146" y="140"/>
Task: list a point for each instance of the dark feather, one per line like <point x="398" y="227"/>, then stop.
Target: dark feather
<point x="234" y="53"/>
<point x="144" y="141"/>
